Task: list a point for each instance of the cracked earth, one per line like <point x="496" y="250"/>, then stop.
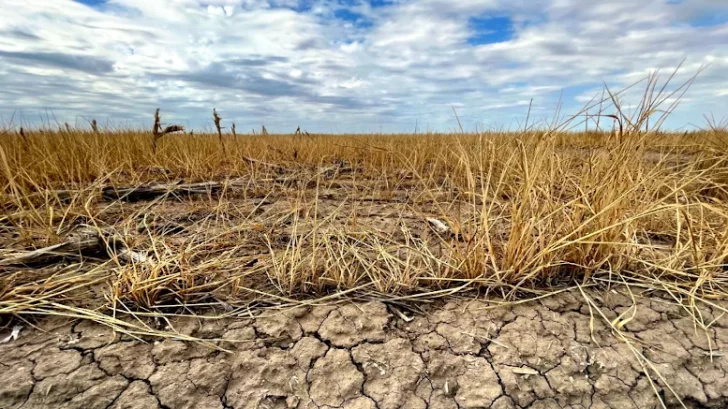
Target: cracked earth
<point x="551" y="353"/>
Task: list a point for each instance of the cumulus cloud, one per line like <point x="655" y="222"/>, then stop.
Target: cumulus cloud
<point x="350" y="65"/>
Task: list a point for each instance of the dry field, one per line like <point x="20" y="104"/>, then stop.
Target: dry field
<point x="131" y="229"/>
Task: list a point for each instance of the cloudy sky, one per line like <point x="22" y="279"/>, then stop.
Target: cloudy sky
<point x="349" y="65"/>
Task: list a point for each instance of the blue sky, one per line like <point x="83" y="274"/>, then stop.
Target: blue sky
<point x="350" y="65"/>
<point x="490" y="29"/>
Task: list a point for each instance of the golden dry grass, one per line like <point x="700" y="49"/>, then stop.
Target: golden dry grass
<point x="311" y="217"/>
<point x="249" y="221"/>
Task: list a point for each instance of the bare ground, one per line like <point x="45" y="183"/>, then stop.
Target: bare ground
<point x="556" y="352"/>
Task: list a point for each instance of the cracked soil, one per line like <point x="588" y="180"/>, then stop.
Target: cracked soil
<point x="550" y="353"/>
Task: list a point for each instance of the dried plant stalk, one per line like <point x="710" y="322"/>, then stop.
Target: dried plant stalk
<point x="216" y="118"/>
<point x="26" y="143"/>
<point x="158" y="133"/>
<point x="155" y="131"/>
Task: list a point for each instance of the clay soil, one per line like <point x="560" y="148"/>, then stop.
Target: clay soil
<point x="555" y="352"/>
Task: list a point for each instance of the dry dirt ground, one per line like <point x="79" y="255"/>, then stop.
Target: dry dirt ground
<point x="555" y="352"/>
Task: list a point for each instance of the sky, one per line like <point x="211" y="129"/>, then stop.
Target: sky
<point x="352" y="66"/>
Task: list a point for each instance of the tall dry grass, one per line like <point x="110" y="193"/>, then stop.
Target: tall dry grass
<point x="527" y="212"/>
<point x="302" y="218"/>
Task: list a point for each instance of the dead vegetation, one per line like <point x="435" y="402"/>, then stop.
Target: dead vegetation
<point x="157" y="131"/>
<point x="260" y="220"/>
<point x="96" y="225"/>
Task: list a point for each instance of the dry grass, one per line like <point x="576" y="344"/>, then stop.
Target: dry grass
<point x="239" y="222"/>
<point x="304" y="217"/>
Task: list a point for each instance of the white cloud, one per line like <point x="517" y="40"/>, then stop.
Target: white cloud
<point x="290" y="62"/>
<point x="351" y="83"/>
